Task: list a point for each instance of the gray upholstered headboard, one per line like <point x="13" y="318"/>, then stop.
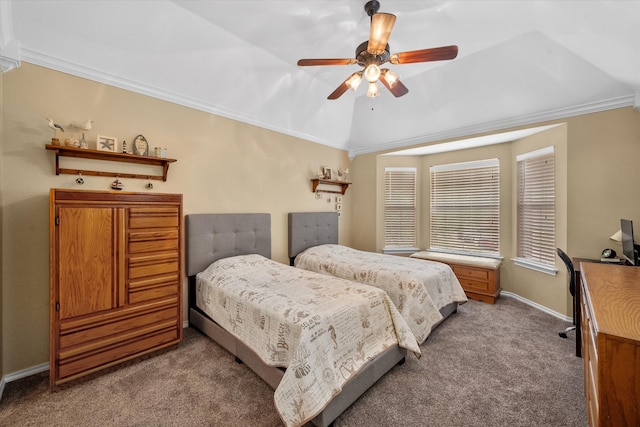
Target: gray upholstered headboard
<point x="308" y="229"/>
<point x="214" y="236"/>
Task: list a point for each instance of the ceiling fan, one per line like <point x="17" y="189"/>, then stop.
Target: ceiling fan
<point x="374" y="52"/>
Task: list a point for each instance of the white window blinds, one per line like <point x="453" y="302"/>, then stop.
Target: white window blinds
<point x="536" y="206"/>
<point x="400" y="207"/>
<point x="465" y="207"/>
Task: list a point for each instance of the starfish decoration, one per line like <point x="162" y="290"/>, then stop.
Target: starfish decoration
<point x="107" y="144"/>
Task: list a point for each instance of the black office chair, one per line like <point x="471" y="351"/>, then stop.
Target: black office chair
<point x="572" y="289"/>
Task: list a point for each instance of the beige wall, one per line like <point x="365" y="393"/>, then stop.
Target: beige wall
<point x="227" y="166"/>
<point x="222" y="166"/>
<point x="597" y="176"/>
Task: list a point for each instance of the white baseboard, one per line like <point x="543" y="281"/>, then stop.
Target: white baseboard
<point x="22" y="374"/>
<point x="26" y="372"/>
<point x="536" y="305"/>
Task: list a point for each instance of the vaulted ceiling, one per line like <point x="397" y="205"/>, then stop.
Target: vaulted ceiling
<point x="519" y="62"/>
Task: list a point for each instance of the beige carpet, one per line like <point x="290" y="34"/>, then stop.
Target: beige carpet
<point x="487" y="365"/>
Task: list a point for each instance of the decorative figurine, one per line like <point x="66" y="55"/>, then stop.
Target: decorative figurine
<point x="54" y="126"/>
<point x="117" y="185"/>
<point x="83" y="142"/>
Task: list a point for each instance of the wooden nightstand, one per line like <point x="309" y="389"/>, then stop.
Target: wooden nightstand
<point x="479" y="277"/>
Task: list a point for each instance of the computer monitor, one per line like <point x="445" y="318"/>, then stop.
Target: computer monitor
<point x="629" y="248"/>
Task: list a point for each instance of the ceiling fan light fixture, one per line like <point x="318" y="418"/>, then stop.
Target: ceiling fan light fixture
<point x="373" y="91"/>
<point x="390" y="77"/>
<point x="381" y="26"/>
<point x="375" y="52"/>
<point x="372" y="73"/>
<point x="354" y="80"/>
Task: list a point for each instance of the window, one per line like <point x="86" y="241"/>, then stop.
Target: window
<point x="536" y="210"/>
<point x="465" y="207"/>
<point x="400" y="208"/>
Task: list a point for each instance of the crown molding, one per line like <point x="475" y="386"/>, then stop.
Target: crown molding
<point x="54" y="63"/>
<point x="501" y="125"/>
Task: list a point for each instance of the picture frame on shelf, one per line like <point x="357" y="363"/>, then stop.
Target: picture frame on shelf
<point x="326" y="173"/>
<point x="107" y="143"/>
<point x="140" y="146"/>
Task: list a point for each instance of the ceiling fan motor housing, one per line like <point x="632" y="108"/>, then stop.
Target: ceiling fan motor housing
<point x="364" y="58"/>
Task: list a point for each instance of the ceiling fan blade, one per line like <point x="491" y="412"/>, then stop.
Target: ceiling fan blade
<point x="326" y="61"/>
<point x="395" y="86"/>
<point x="381" y="26"/>
<point x="339" y="91"/>
<point x="425" y="55"/>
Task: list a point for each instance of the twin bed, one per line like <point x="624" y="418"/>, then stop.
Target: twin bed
<point x="425" y="292"/>
<point x="320" y="341"/>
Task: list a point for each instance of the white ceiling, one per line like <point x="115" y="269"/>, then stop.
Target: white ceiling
<point x="519" y="62"/>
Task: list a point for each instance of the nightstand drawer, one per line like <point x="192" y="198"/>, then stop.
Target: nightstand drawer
<point x="474" y="284"/>
<point x="470" y="273"/>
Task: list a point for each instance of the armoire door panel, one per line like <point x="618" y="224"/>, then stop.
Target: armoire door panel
<point x="87" y="280"/>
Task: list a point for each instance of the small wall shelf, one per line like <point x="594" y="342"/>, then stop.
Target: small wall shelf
<point x="343" y="186"/>
<point x="63" y="151"/>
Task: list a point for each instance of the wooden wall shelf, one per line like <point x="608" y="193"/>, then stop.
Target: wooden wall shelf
<point x="63" y="151"/>
<point x="343" y="186"/>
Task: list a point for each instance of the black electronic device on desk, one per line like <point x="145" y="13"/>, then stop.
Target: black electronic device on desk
<point x="629" y="247"/>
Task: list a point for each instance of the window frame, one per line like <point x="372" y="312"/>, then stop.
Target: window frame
<point x="459" y="177"/>
<point x="545" y="260"/>
<point x="401" y="175"/>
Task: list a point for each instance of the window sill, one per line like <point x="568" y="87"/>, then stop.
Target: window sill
<point x="399" y="251"/>
<point x="536" y="266"/>
<point x="469" y="253"/>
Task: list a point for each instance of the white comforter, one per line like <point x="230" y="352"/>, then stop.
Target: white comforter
<point x="322" y="329"/>
<point x="418" y="288"/>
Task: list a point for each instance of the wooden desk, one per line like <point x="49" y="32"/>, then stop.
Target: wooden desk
<point x="576" y="298"/>
<point x="610" y="320"/>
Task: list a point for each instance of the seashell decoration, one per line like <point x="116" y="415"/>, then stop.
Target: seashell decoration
<point x="72" y="142"/>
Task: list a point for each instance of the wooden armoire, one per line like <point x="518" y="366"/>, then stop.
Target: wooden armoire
<point x="115" y="279"/>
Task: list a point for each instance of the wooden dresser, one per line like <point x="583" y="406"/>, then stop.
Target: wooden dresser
<point x="115" y="279"/>
<point x="611" y="343"/>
